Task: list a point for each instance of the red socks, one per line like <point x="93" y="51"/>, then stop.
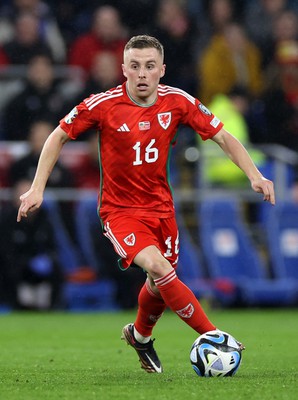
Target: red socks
<point x="151" y="307"/>
<point x="178" y="297"/>
<point x="183" y="302"/>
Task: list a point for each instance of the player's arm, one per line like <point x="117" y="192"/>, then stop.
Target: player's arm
<point x="32" y="199"/>
<point x="239" y="155"/>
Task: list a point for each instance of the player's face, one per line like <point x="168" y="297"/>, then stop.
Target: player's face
<point x="143" y="69"/>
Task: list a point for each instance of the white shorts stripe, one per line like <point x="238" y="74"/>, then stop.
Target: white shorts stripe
<point x="122" y="253"/>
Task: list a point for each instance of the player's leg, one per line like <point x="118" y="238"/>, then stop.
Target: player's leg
<point x="128" y="236"/>
<point x="150" y="308"/>
<point x="176" y="295"/>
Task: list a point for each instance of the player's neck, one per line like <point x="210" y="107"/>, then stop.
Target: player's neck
<point x="142" y="102"/>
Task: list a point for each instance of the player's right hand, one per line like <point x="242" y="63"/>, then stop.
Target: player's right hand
<point x="30" y="201"/>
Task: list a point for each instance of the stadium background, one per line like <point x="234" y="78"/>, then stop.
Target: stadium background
<point x="235" y="250"/>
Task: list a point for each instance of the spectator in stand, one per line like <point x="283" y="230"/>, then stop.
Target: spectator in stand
<point x="177" y="31"/>
<point x="3" y="58"/>
<point x="41" y="97"/>
<point x="137" y="15"/>
<point x="259" y="20"/>
<point x="230" y="59"/>
<point x="30" y="274"/>
<point x="107" y="34"/>
<point x="86" y="173"/>
<point x="104" y="74"/>
<point x="285" y="31"/>
<point x="48" y="29"/>
<point x="281" y="98"/>
<point x="24" y="168"/>
<point x="234" y="108"/>
<point x="27" y="42"/>
<point x="213" y="21"/>
<point x="73" y="17"/>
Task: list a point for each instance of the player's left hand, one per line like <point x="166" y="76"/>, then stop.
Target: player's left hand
<point x="265" y="186"/>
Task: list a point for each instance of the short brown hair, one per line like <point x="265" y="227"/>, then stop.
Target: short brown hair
<point x="144" y="42"/>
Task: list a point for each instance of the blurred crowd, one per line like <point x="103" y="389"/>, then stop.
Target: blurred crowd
<point x="212" y="47"/>
<point x="239" y="57"/>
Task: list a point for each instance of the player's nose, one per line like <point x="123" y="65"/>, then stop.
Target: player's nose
<point x="142" y="72"/>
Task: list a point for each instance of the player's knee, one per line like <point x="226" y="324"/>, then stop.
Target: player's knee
<point x="157" y="268"/>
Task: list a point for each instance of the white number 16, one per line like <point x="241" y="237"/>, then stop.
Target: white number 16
<point x="151" y="153"/>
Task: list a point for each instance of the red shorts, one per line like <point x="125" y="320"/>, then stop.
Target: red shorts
<point x="130" y="235"/>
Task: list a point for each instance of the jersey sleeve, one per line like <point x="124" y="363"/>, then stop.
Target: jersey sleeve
<point x="79" y="120"/>
<point x="201" y="119"/>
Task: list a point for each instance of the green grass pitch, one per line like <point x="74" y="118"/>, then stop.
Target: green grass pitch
<point x="64" y="356"/>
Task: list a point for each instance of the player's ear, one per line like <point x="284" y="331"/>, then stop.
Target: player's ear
<point x="123" y="70"/>
<point x="163" y="70"/>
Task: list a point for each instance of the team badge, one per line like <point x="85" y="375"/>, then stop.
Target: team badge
<point x="71" y="116"/>
<point x="130" y="239"/>
<point x="164" y="119"/>
<point x="187" y="311"/>
<point x="204" y="109"/>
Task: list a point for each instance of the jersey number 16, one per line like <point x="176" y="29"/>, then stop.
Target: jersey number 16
<point x="151" y="153"/>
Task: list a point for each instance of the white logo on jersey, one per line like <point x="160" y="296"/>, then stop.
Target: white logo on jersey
<point x="215" y="122"/>
<point x="204" y="109"/>
<point x="71" y="116"/>
<point x="130" y="239"/>
<point x="123" y="128"/>
<point x="144" y="125"/>
<point x="164" y="119"/>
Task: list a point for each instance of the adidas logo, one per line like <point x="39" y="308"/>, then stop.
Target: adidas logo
<point x="232" y="361"/>
<point x="123" y="128"/>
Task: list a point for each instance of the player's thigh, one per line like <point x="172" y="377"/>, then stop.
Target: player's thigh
<point x="129" y="237"/>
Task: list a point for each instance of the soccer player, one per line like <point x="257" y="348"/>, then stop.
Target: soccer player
<point x="137" y="124"/>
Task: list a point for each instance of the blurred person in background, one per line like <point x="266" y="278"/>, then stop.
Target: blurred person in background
<point x="29" y="270"/>
<point x="103" y="75"/>
<point x="284" y="34"/>
<point x="40" y="97"/>
<point x="280" y="99"/>
<point x="26" y="42"/>
<point x="233" y="108"/>
<point x="47" y="26"/>
<point x="24" y="169"/>
<point x="212" y="20"/>
<point x="259" y="20"/>
<point x="107" y="34"/>
<point x="137" y="15"/>
<point x="176" y="29"/>
<point x="229" y="60"/>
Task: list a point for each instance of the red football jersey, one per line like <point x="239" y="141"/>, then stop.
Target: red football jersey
<point x="135" y="143"/>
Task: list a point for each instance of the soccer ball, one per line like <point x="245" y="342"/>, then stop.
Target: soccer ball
<point x="215" y="353"/>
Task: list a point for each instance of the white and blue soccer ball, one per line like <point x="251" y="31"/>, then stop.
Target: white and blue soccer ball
<point x="215" y="353"/>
